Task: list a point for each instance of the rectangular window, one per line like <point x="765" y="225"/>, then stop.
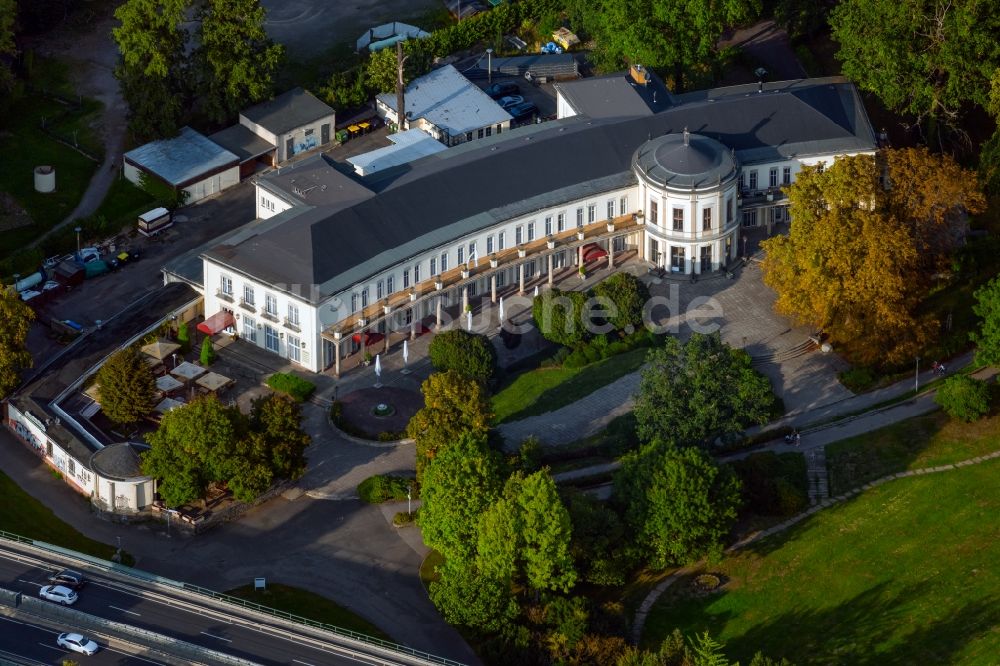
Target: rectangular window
<point x="226" y="286"/>
<point x="309" y="132"/>
<point x="468" y="136"/>
<point x="729" y="210"/>
<point x="270" y="339"/>
<point x="591" y="213"/>
<point x="416" y="273"/>
<point x="611" y="209"/>
<point x="548" y="225"/>
<point x="406" y="278"/>
<point x="434" y="265"/>
<point x="293" y="314"/>
<point x="473" y="255"/>
<point x="379" y="289"/>
<point x="779" y="214"/>
<point x="579" y="218"/>
<point x="390" y="284"/>
<point x="518" y="235"/>
<point x="499" y="128"/>
<point x="678" y="219"/>
<point x="364" y="297"/>
<point x="786" y="175"/>
<point x="489" y="244"/>
<point x="248" y="294"/>
<point x="623" y="206"/>
<point x="773" y="177"/>
<point x="743" y="181"/>
<point x="706" y="219"/>
<point x="461" y="255"/>
<point x="489" y="131"/>
<point x="750" y="218"/>
<point x="294" y="349"/>
<point x="249" y="329"/>
<point x="271" y="305"/>
<point x="501" y="240"/>
<point x="480" y="132"/>
<point x="531" y="231"/>
<point x="654" y="212"/>
<point x="753" y="179"/>
<point x="354" y="303"/>
<point x="444" y="261"/>
<point x="706" y="258"/>
<point x="560" y="223"/>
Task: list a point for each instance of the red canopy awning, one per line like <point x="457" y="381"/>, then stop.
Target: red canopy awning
<point x="370" y="338"/>
<point x="217" y="322"/>
<point x="593" y="252"/>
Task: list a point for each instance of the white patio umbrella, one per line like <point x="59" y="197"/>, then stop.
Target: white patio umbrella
<point x="378" y="366"/>
<point x="501" y="310"/>
<point x="536" y="291"/>
<point x="468" y="319"/>
<point x="406" y="352"/>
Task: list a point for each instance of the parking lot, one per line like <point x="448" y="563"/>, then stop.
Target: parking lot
<point x="542" y="95"/>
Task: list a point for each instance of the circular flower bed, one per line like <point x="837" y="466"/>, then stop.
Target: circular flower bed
<point x="705" y="583"/>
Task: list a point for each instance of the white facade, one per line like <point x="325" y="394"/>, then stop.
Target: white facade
<point x="269" y="204"/>
<point x="298" y="140"/>
<point x="200" y="189"/>
<point x="32" y="431"/>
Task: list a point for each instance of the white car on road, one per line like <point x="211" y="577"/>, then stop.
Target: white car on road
<point x="77" y="643"/>
<point x="59" y="594"/>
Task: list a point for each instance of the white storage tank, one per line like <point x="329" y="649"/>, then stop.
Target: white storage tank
<point x="45" y="179"/>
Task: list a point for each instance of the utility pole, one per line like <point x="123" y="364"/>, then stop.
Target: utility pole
<point x="400" y="87"/>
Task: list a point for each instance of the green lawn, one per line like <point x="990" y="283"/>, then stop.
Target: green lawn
<point x="924" y="441"/>
<point x="546" y="389"/>
<point x="24" y="515"/>
<point x="308" y="605"/>
<point x="903" y="574"/>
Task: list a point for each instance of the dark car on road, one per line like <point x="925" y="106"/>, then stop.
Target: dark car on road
<point x="500" y="89"/>
<point x="68" y="578"/>
<point x="522" y="111"/>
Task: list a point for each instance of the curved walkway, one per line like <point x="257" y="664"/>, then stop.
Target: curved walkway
<point x="647" y="604"/>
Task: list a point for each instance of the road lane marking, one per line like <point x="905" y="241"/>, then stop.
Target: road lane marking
<point x="299" y="661"/>
<point x="124" y="611"/>
<point x="31" y="582"/>
<point x="53" y="647"/>
<point x="131" y="656"/>
<point x="219" y="637"/>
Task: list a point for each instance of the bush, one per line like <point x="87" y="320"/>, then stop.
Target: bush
<point x="963" y="397"/>
<point x="470" y="354"/>
<point x="772" y="484"/>
<point x="857" y="380"/>
<point x="297" y="388"/>
<point x="184" y="337"/>
<point x="387" y="488"/>
<point x="207" y="352"/>
<point x="404" y="519"/>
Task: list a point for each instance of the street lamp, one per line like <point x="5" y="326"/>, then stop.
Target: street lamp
<point x="409" y="497"/>
<point x="916" y="377"/>
<point x="489" y="65"/>
<point x="78" y="230"/>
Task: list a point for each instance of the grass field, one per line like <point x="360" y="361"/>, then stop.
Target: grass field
<point x="23" y="514"/>
<point x="546" y="389"/>
<point x="308" y="605"/>
<point x="903" y="574"/>
<point x="924" y="441"/>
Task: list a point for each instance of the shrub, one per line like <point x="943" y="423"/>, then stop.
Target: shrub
<point x="857" y="380"/>
<point x="772" y="484"/>
<point x="297" y="388"/>
<point x="592" y="354"/>
<point x="529" y="456"/>
<point x="963" y="397"/>
<point x="404" y="519"/>
<point x="576" y="359"/>
<point x="386" y="488"/>
<point x="184" y="337"/>
<point x="207" y="352"/>
<point x="470" y="354"/>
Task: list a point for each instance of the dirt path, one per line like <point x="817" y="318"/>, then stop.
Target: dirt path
<point x="92" y="56"/>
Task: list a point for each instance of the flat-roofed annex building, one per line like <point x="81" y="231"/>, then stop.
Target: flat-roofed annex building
<point x="333" y="255"/>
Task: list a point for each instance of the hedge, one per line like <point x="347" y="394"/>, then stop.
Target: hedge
<point x="387" y="487"/>
<point x="297" y="388"/>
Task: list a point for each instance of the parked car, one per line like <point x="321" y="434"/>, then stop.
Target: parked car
<point x="59" y="594"/>
<point x="509" y="101"/>
<point x="77" y="643"/>
<point x="68" y="578"/>
<point x="89" y="254"/>
<point x="522" y="111"/>
<point x="500" y="89"/>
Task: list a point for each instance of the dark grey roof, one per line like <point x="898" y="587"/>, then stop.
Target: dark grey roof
<point x="615" y="96"/>
<point x="243" y="143"/>
<point x="442" y="197"/>
<point x="119" y="462"/>
<point x="684" y="161"/>
<point x="182" y="159"/>
<point x="287" y="111"/>
<point x="317" y="181"/>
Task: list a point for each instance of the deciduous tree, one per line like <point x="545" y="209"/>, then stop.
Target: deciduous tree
<point x="627" y="297"/>
<point x="469" y="354"/>
<point x="8" y="19"/>
<point x="559" y="316"/>
<point x="964" y="398"/>
<point x="382" y="69"/>
<point x="987" y="338"/>
<point x="546" y="533"/>
<point x="694" y="392"/>
<point x="469" y="598"/>
<point x="675" y="34"/>
<point x="278" y="420"/>
<point x="457" y="487"/>
<point x="453" y="405"/>
<point x="925" y="57"/>
<point x="152" y="71"/>
<point x="128" y="387"/>
<point x="15" y="320"/>
<point x="235" y="61"/>
<point x="678" y="502"/>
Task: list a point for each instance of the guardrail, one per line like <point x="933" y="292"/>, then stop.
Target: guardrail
<point x="218" y="596"/>
<point x="159" y="642"/>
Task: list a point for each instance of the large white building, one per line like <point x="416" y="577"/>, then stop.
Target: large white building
<point x="335" y="260"/>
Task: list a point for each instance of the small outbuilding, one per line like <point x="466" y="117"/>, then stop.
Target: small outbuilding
<point x="294" y="122"/>
<point x="253" y="151"/>
<point x="189" y="162"/>
<point x="120" y="487"/>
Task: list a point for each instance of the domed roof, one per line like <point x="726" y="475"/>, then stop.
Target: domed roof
<point x="119" y="462"/>
<point x="684" y="161"/>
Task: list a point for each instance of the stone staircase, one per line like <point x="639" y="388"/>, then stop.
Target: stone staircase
<point x="816" y="472"/>
<point x="782" y="355"/>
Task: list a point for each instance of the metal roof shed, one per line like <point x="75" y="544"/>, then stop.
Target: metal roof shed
<point x="189" y="162"/>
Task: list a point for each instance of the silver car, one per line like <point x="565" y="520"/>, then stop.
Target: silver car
<point x="77" y="643"/>
<point x="58" y="594"/>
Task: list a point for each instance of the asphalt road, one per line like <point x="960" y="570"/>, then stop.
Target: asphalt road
<point x="24" y="640"/>
<point x="106" y="599"/>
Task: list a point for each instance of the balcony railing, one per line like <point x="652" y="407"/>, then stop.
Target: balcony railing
<point x="291" y="325"/>
<point x="248" y="305"/>
<point x="752" y="197"/>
